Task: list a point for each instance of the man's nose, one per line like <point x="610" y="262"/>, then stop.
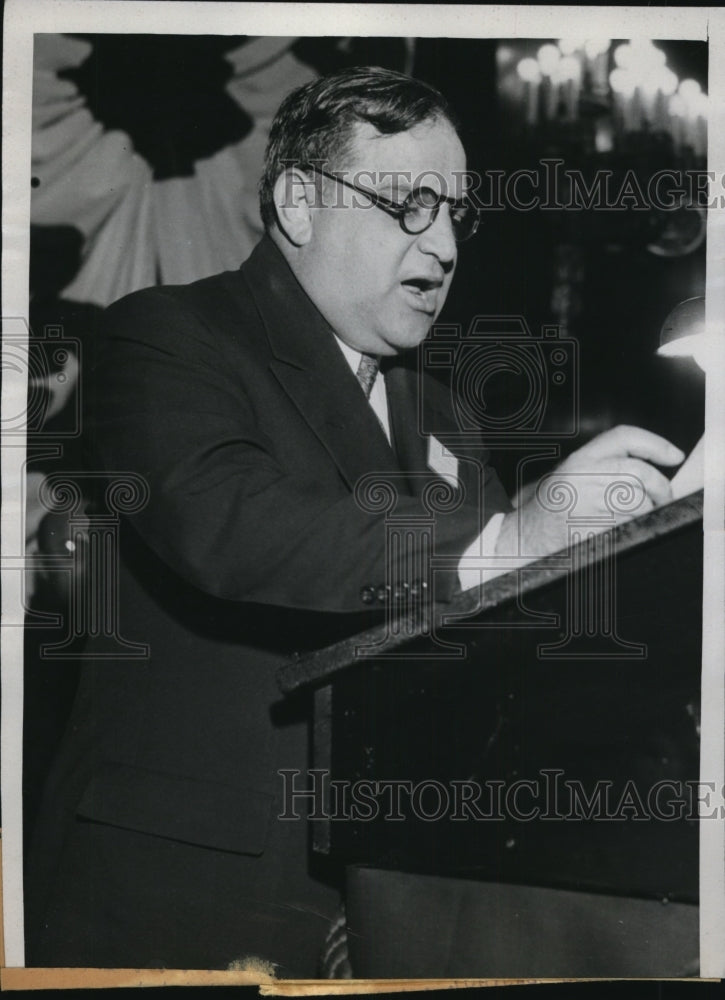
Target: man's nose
<point x="439" y="240"/>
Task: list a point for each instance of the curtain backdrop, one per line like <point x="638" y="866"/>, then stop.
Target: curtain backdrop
<point x="138" y="228"/>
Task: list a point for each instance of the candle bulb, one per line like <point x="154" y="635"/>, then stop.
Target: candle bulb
<point x="636" y="110"/>
<point x="599" y="73"/>
<point x="667" y="86"/>
<point x="676" y="109"/>
<point x="597" y="53"/>
<point x="694" y="104"/>
<point x="571" y="44"/>
<point x="623" y="56"/>
<point x="567" y="76"/>
<point x="623" y="86"/>
<point x="649" y="91"/>
<point x="528" y="71"/>
<point x="701" y="136"/>
<point x="659" y="120"/>
<point x="700" y="129"/>
<point x="551" y="97"/>
<point x="604" y="136"/>
<point x="548" y="58"/>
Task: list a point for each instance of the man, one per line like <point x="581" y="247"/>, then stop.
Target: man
<point x="241" y="400"/>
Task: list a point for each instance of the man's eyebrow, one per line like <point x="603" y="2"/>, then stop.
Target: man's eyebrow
<point x="398" y="184"/>
<point x="384" y="181"/>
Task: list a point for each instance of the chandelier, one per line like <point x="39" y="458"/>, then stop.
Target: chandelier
<point x="624" y="90"/>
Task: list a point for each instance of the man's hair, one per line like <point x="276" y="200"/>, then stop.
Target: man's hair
<point x="316" y="122"/>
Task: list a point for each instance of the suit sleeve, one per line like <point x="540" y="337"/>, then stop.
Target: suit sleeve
<point x="221" y="512"/>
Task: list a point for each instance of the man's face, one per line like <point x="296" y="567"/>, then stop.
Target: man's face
<point x="380" y="288"/>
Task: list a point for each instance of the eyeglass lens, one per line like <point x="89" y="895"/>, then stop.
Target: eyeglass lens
<point x="421" y="208"/>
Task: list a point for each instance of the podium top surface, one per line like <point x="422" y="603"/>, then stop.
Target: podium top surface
<point x="322" y="665"/>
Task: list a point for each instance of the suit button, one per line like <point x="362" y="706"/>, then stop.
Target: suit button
<point x="367" y="595"/>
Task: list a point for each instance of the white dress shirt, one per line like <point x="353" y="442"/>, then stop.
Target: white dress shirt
<point x="476" y="562"/>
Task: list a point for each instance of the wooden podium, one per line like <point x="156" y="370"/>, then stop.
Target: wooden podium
<point x="539" y="732"/>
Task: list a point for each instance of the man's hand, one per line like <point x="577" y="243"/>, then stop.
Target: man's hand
<point x="607" y="481"/>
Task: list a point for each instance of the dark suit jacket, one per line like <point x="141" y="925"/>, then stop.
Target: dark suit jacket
<point x="233" y="401"/>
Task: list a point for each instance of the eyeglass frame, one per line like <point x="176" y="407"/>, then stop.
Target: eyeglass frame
<point x="397" y="209"/>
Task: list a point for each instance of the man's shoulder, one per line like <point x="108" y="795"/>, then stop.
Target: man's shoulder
<point x="233" y="300"/>
<point x="212" y="317"/>
<point x="206" y="298"/>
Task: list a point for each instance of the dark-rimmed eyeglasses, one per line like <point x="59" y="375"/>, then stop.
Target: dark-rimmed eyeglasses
<point x="420" y="208"/>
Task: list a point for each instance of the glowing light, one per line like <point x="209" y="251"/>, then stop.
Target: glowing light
<point x="604" y="137"/>
<point x="623" y="55"/>
<point x="548" y="56"/>
<point x="569" y="68"/>
<point x="622" y="81"/>
<point x="596" y="46"/>
<point x="570" y="44"/>
<point x="685" y="333"/>
<point x="689" y="89"/>
<point x="648" y="55"/>
<point x="528" y="70"/>
<point x="681" y="348"/>
<point x="668" y="81"/>
<point x="504" y="55"/>
<point x="699" y="105"/>
<point x="659" y="78"/>
<point x="703" y="347"/>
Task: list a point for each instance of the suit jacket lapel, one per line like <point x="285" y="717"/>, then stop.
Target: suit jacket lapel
<point x="311" y="369"/>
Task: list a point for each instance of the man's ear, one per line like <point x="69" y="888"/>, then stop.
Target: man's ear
<point x="293" y="192"/>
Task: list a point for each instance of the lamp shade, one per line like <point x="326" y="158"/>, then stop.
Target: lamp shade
<point x="683" y="333"/>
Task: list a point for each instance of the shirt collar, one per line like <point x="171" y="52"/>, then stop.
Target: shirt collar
<point x="350" y="354"/>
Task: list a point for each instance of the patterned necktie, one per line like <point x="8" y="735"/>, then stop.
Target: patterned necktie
<point x="367" y="372"/>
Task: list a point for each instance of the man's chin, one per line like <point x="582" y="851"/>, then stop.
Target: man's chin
<point x="408" y="338"/>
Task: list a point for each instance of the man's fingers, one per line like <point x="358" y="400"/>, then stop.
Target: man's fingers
<point x="595" y="484"/>
<point x="633" y="441"/>
<point x="655" y="484"/>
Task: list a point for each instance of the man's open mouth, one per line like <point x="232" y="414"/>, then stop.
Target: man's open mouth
<point x="424" y="291"/>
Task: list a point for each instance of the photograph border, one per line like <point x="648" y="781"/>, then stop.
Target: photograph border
<point x="22" y="21"/>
